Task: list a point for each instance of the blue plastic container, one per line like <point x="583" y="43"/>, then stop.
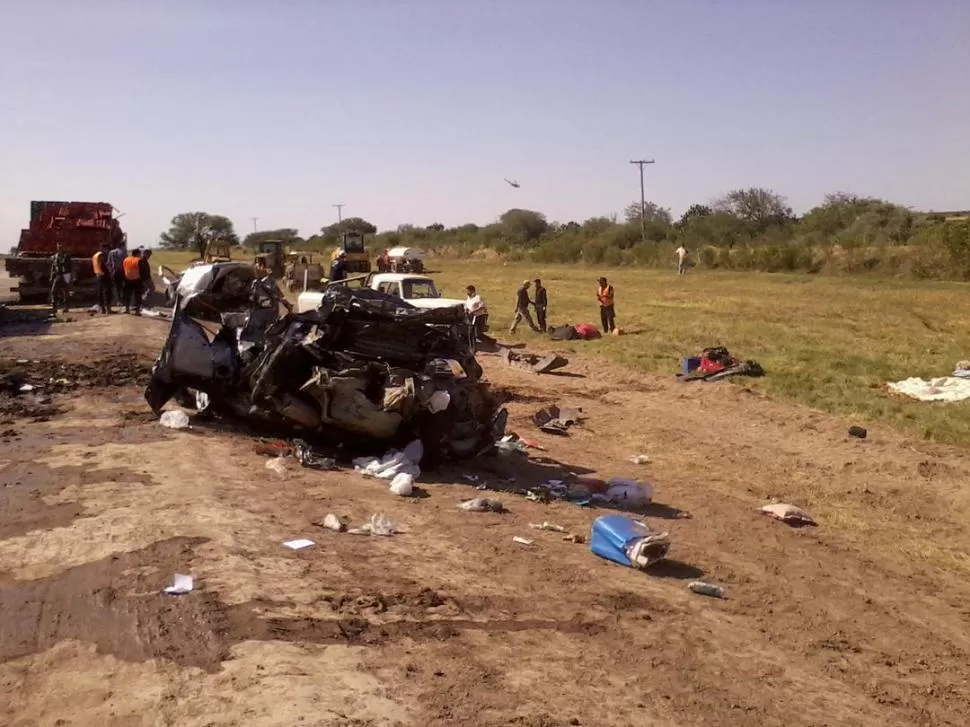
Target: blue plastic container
<point x="691" y="364"/>
<point x="616" y="537"/>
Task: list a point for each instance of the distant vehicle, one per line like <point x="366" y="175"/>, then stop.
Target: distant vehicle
<point x="406" y="260"/>
<point x="418" y="290"/>
<point x="302" y="272"/>
<point x="273" y="256"/>
<point x="80" y="227"/>
<point x="352" y="243"/>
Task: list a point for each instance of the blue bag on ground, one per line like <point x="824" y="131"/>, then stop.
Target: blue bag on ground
<point x="628" y="542"/>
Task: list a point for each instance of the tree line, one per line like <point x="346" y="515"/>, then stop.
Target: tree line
<point x="745" y="229"/>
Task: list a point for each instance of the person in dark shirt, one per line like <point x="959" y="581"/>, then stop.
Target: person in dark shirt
<point x="541" y="304"/>
<point x="62" y="267"/>
<point x="522" y="304"/>
<point x="338" y="270"/>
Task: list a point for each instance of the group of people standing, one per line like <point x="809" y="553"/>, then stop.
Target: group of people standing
<point x="477" y="311"/>
<point x="120" y="275"/>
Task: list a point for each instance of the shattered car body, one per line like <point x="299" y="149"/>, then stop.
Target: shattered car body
<point x="364" y="366"/>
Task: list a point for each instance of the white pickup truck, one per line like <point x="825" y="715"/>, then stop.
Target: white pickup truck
<point x="418" y="290"/>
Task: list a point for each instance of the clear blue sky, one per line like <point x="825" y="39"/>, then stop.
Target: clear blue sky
<point x="412" y="111"/>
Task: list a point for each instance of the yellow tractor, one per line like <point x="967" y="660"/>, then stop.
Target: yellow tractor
<point x="352" y="243"/>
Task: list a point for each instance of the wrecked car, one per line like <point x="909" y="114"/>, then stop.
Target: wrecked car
<point x="362" y="367"/>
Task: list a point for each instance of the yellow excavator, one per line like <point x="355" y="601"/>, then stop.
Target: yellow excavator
<point x="352" y="243"/>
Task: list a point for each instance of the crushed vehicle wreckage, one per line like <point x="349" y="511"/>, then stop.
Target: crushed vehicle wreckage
<point x="363" y="367"/>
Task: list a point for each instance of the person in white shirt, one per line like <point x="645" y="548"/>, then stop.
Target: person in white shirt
<point x="477" y="312"/>
<point x="682" y="254"/>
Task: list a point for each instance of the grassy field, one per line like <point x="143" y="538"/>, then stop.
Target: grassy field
<point x="828" y="342"/>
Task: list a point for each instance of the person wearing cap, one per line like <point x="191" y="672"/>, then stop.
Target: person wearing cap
<point x="338" y="270"/>
<point x="605" y="295"/>
<point x="522" y="304"/>
<point x="541" y="304"/>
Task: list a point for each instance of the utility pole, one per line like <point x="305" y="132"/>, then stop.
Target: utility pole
<point x="643" y="199"/>
<point x="340" y="208"/>
<point x="254" y="223"/>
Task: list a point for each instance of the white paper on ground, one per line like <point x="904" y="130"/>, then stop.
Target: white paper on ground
<point x="298" y="544"/>
<point x="947" y="388"/>
<point x="181" y="584"/>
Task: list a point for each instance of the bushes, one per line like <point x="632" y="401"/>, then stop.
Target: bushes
<point x="845" y="235"/>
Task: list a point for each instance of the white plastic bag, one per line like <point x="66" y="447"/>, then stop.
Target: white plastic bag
<point x="402" y="484"/>
<point x="629" y="492"/>
<point x="175" y="419"/>
<point x="790" y="514"/>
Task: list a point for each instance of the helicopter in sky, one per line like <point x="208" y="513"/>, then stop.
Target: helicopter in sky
<point x="512" y="183"/>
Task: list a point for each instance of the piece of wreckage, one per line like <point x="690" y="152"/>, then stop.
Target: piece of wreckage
<point x="363" y="367"/>
<point x="532" y="362"/>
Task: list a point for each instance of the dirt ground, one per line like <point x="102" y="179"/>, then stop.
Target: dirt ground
<point x="860" y="621"/>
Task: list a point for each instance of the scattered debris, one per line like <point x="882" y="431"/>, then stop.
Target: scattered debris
<point x="331" y="522"/>
<point x="24" y="388"/>
<point x="639" y="459"/>
<point x="858" y="432"/>
<point x="380" y="524"/>
<point x="554" y="420"/>
<point x="523" y="541"/>
<point x="547" y="526"/>
<point x="511" y="444"/>
<point x="308" y="458"/>
<point x="706" y="589"/>
<point x="363" y="367"/>
<point x="788" y="514"/>
<point x="628" y="493"/>
<point x="575" y="538"/>
<point x="174" y="419"/>
<point x="403" y="484"/>
<point x="277" y="465"/>
<point x="532" y="363"/>
<point x="393" y="463"/>
<point x="181" y="584"/>
<point x="482" y="504"/>
<point x="717" y="363"/>
<point x="627" y="542"/>
<point x="298" y="544"/>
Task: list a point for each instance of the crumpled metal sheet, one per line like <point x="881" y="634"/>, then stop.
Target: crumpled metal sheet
<point x="364" y="366"/>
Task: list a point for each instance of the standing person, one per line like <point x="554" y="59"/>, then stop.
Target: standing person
<point x="116" y="260"/>
<point x="338" y="269"/>
<point x="605" y="295"/>
<point x="99" y="262"/>
<point x="477" y="312"/>
<point x="682" y="254"/>
<point x="61" y="275"/>
<point x="147" y="281"/>
<point x="133" y="283"/>
<point x="522" y="304"/>
<point x="541" y="304"/>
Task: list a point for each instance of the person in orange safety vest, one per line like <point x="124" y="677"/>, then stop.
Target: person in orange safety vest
<point x="133" y="282"/>
<point x="605" y="296"/>
<point x="99" y="261"/>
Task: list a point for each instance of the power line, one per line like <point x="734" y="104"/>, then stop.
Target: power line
<point x="643" y="199"/>
<point x="340" y="208"/>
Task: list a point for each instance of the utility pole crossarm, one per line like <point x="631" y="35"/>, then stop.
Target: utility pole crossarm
<point x="643" y="199"/>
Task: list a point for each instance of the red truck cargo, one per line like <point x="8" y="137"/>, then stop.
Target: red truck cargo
<point x="80" y="227"/>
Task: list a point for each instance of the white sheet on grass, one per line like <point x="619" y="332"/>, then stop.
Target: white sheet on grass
<point x="947" y="388"/>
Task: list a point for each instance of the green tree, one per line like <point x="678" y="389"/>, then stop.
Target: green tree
<point x="523" y="226"/>
<point x="195" y="230"/>
<point x="694" y="212"/>
<point x="288" y="235"/>
<point x="436" y="227"/>
<point x="652" y="213"/>
<point x="351" y="224"/>
<point x="759" y="208"/>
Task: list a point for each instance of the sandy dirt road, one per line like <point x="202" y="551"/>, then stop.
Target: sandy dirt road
<point x="861" y="621"/>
